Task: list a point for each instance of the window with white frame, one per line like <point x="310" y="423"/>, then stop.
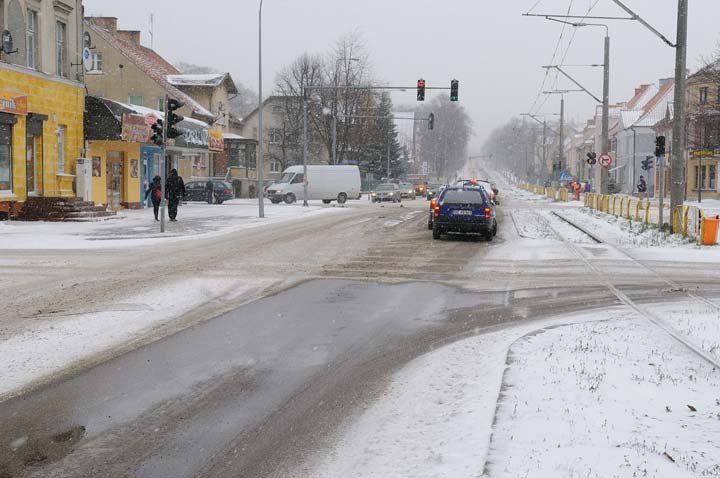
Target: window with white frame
<point x="275" y="136"/>
<point x="61" y="148"/>
<point x="60" y="48"/>
<point x="97" y="62"/>
<point x="703" y="95"/>
<point x="136" y="100"/>
<point x="32" y="44"/>
<point x="275" y="166"/>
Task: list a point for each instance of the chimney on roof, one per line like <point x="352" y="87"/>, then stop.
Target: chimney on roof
<point x="108" y="23"/>
<point x="133" y="36"/>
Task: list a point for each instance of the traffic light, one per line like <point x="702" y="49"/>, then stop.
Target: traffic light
<point x="647" y="163"/>
<point x="454" y="87"/>
<point x="172" y="118"/>
<point x="431" y="121"/>
<point x="660" y="146"/>
<point x="157" y="136"/>
<point x="421" y="90"/>
<point x="591" y="159"/>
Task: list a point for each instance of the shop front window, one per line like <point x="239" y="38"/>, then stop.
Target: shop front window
<point x="5" y="157"/>
<point x="712" y="173"/>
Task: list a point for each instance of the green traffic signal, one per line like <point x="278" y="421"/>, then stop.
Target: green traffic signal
<point x="454" y="87"/>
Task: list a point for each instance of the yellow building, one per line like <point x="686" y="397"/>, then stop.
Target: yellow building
<point x="41" y="100"/>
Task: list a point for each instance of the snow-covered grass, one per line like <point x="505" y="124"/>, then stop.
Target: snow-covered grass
<point x="48" y="348"/>
<point x="598" y="394"/>
<point x="436" y="417"/>
<point x="139" y="228"/>
<point x="606" y="399"/>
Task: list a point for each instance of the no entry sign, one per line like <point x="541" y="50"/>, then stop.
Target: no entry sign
<point x="605" y="160"/>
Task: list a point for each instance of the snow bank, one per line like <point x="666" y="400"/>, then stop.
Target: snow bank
<point x="62" y="342"/>
<point x="139" y="228"/>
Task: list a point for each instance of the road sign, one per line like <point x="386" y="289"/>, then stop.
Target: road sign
<point x="564" y="176"/>
<point x="605" y="160"/>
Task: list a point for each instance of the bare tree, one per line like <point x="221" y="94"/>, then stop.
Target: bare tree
<point x="306" y="70"/>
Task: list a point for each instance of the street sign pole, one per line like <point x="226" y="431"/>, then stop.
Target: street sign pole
<point x="661" y="198"/>
<point x="163" y="171"/>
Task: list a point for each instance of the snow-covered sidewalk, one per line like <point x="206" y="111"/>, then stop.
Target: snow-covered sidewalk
<point x="139" y="228"/>
<point x="597" y="394"/>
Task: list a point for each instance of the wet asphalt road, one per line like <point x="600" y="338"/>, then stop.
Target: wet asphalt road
<point x="256" y="390"/>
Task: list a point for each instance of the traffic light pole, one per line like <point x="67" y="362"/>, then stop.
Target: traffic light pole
<point x="305" y="146"/>
<point x="163" y="172"/>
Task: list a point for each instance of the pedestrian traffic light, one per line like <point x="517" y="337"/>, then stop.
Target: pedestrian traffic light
<point x="431" y="121"/>
<point x="172" y="118"/>
<point x="591" y="158"/>
<point x="454" y="87"/>
<point x="421" y="90"/>
<point x="647" y="163"/>
<point x="660" y="146"/>
<point x="157" y="136"/>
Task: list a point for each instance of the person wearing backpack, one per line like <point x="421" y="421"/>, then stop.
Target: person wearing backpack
<point x="155" y="193"/>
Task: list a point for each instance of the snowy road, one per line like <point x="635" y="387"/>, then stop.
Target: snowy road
<point x="342" y="344"/>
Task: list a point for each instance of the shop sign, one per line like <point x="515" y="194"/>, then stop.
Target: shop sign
<point x="134" y="129"/>
<point x="15" y="105"/>
<point x="215" y="140"/>
<point x="196" y="137"/>
<point x="702" y="153"/>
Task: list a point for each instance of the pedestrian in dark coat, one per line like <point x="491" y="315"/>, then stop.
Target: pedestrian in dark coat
<point x="155" y="193"/>
<point x="209" y="188"/>
<point x="642" y="187"/>
<point x="174" y="192"/>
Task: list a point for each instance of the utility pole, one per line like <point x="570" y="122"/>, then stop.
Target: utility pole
<point x="388" y="148"/>
<point x="604" y="135"/>
<point x="334" y="140"/>
<point x="260" y="158"/>
<point x="544" y="143"/>
<point x="562" y="135"/>
<point x="678" y="179"/>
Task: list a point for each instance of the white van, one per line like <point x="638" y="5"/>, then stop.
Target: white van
<point x="329" y="183"/>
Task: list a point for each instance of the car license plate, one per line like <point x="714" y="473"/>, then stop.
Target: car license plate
<point x="462" y="212"/>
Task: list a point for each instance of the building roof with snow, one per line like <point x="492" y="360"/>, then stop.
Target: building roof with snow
<point x="208" y="80"/>
<point x="147" y="60"/>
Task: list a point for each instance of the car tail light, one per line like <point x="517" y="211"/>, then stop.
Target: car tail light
<point x="437" y="210"/>
<point x="487" y="212"/>
<point x="433" y="202"/>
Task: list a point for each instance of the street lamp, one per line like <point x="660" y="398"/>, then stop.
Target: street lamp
<point x="259" y="161"/>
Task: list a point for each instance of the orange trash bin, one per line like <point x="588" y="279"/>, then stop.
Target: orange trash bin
<point x="710" y="230"/>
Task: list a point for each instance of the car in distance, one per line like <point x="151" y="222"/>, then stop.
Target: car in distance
<point x="432" y="190"/>
<point x="386" y="192"/>
<point x="197" y="191"/>
<point x="464" y="209"/>
<point x="328" y="183"/>
<point x="407" y="190"/>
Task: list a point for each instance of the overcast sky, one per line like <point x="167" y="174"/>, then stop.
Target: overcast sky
<point x="486" y="44"/>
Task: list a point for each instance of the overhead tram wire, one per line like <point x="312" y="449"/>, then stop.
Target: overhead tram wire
<point x="533" y="108"/>
<point x="591" y="7"/>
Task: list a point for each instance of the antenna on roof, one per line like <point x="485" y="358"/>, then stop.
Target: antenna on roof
<point x="152" y="31"/>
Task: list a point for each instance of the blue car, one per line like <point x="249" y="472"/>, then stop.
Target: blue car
<point x="464" y="209"/>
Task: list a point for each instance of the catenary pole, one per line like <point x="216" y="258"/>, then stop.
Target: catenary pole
<point x="604" y="135"/>
<point x="260" y="153"/>
<point x="677" y="165"/>
<point x="561" y="146"/>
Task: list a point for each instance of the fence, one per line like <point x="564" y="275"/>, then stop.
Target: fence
<point x="556" y="194"/>
<point x="686" y="220"/>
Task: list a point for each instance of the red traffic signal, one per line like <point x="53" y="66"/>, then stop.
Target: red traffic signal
<point x="421" y="90"/>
